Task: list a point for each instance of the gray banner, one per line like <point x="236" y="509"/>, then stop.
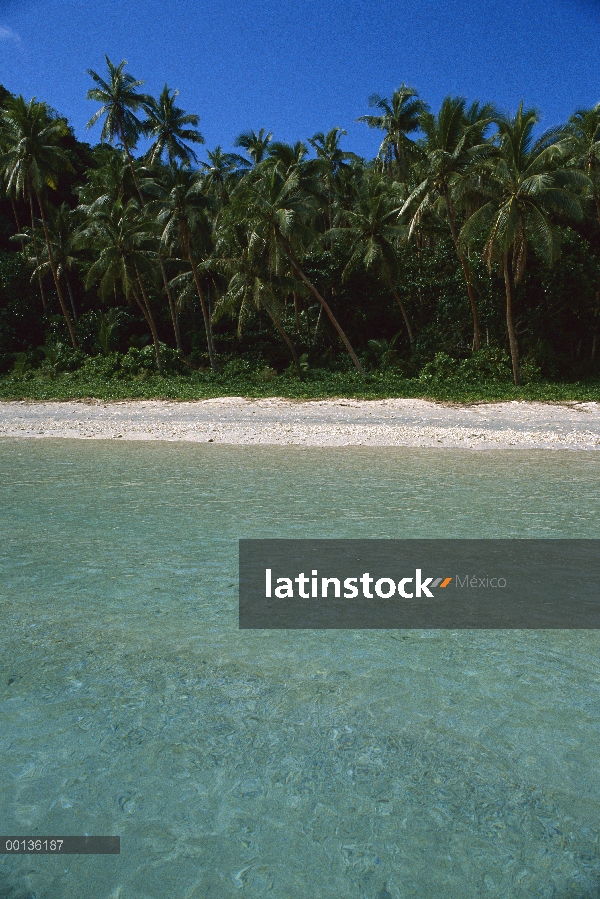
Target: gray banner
<point x="419" y="584"/>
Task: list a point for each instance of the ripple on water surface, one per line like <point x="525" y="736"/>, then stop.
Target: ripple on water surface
<point x="291" y="764"/>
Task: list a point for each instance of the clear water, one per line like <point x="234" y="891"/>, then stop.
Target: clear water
<point x="296" y="765"/>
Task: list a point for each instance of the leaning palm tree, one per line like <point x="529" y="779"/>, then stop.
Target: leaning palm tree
<point x="121" y="237"/>
<point x="527" y="187"/>
<point x="453" y="147"/>
<point x="32" y="161"/>
<point x="181" y="212"/>
<point x="370" y="234"/>
<point x="277" y="213"/>
<point x="169" y="125"/>
<point x="398" y="118"/>
<point x="120" y="101"/>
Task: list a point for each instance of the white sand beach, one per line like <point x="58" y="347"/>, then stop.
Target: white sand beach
<point x="337" y="422"/>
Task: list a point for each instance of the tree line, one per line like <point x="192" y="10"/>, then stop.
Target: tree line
<point x="469" y="228"/>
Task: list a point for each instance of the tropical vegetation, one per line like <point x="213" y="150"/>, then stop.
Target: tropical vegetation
<point x="463" y="260"/>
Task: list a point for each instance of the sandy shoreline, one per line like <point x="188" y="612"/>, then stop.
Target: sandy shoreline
<point x="341" y="422"/>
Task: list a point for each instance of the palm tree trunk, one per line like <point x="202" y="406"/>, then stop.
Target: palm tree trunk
<point x="174" y="316"/>
<point x="306" y="319"/>
<point x="330" y="314"/>
<point x="317" y="325"/>
<point x="68" y="280"/>
<point x="211" y="354"/>
<point x="162" y="268"/>
<point x="145" y="307"/>
<point x="22" y="241"/>
<point x="465" y="268"/>
<point x="61" y="298"/>
<point x="512" y="337"/>
<point x="296" y="313"/>
<point x="14" y="209"/>
<point x="129" y="157"/>
<point x="35" y="250"/>
<point x="402" y="309"/>
<point x="287" y="342"/>
<point x="471" y="292"/>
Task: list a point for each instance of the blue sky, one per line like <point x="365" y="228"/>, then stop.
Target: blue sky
<point x="305" y="66"/>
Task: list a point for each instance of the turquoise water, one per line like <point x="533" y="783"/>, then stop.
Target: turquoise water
<point x="296" y="765"/>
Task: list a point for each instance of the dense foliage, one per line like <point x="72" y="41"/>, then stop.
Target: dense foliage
<point x="464" y="258"/>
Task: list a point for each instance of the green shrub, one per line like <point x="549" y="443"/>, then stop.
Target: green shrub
<point x="490" y="365"/>
<point x="21" y="365"/>
<point x="266" y="374"/>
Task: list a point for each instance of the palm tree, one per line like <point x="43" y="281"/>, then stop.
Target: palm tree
<point x="371" y="234"/>
<point x="120" y="101"/>
<point x="249" y="284"/>
<point x="291" y="158"/>
<point x="584" y="153"/>
<point x="121" y="236"/>
<point x="31" y="163"/>
<point x="21" y="237"/>
<point x="181" y="215"/>
<point x="584" y="147"/>
<point x="168" y="124"/>
<point x="399" y="117"/>
<point x="527" y="187"/>
<point x="333" y="160"/>
<point x="63" y="236"/>
<point x="109" y="180"/>
<point x="277" y="213"/>
<point x="221" y="172"/>
<point x="256" y="145"/>
<point x="454" y="144"/>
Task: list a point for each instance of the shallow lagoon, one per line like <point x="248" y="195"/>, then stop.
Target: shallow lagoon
<point x="342" y="765"/>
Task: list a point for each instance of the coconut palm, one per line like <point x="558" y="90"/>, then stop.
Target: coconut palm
<point x="453" y="147"/>
<point x="169" y="126"/>
<point x="332" y="161"/>
<point x="221" y="172"/>
<point x="277" y="213"/>
<point x="108" y="183"/>
<point x="250" y="288"/>
<point x="256" y="145"/>
<point x="32" y="161"/>
<point x="120" y="100"/>
<point x="584" y="153"/>
<point x="527" y="187"/>
<point x="109" y="180"/>
<point x="370" y="233"/>
<point x="583" y="128"/>
<point x="122" y="238"/>
<point x="182" y="218"/>
<point x="63" y="236"/>
<point x="399" y="117"/>
<point x="21" y="237"/>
